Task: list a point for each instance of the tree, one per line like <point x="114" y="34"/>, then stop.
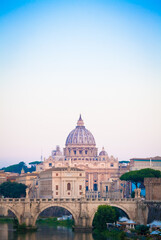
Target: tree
<point x="13" y="190"/>
<point x="16" y="168"/>
<point x="35" y="163"/>
<point x="105" y="214"/>
<point x="142" y="229"/>
<point x="139" y="175"/>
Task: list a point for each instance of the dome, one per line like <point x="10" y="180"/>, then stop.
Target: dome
<point x="103" y="152"/>
<point x="80" y="135"/>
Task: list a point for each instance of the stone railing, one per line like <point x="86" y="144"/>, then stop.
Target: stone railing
<point x="10" y="200"/>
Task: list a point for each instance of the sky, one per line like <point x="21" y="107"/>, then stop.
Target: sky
<point x="62" y="58"/>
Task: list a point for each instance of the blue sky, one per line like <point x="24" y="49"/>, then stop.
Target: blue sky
<point x="62" y="58"/>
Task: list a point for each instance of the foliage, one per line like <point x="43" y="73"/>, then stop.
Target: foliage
<point x="142" y="229"/>
<point x="35" y="163"/>
<point x="54" y="221"/>
<point x="133" y="194"/>
<point x="105" y="214"/>
<point x="139" y="175"/>
<point x="119" y="212"/>
<point x="16" y="168"/>
<point x="6" y="220"/>
<point x="111" y="235"/>
<point x="13" y="189"/>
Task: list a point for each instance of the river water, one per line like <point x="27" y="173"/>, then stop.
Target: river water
<point x="44" y="232"/>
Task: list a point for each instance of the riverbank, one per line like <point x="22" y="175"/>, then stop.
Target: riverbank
<point x="55" y="222"/>
<point x="6" y="220"/>
<point x="50" y="221"/>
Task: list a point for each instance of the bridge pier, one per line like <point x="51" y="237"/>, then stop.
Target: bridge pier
<point x="26" y="222"/>
<point x="141" y="213"/>
<point x="83" y="226"/>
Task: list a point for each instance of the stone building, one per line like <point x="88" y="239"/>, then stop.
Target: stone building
<point x="140" y="163"/>
<point x="31" y="181"/>
<point x="153" y="188"/>
<point x="3" y="176"/>
<point x="62" y="182"/>
<point x="81" y="152"/>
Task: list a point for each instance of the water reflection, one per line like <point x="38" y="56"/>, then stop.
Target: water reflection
<point x="44" y="232"/>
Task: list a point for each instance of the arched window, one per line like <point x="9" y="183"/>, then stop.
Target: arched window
<point x="68" y="186"/>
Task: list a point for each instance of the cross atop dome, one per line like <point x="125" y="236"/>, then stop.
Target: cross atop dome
<point x="80" y="121"/>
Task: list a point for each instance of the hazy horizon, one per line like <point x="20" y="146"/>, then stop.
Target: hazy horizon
<point x="62" y="58"/>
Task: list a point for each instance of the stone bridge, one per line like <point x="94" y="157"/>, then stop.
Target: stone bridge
<point x="83" y="210"/>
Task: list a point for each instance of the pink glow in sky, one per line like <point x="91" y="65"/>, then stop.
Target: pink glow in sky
<point x="62" y="58"/>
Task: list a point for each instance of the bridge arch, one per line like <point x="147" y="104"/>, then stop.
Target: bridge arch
<point x="55" y="205"/>
<point x="14" y="211"/>
<point x="112" y="205"/>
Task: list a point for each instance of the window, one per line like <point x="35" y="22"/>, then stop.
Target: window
<point x="68" y="186"/>
<point x="86" y="151"/>
<point x="111" y="164"/>
<point x="80" y="151"/>
<point x="50" y="164"/>
<point x="106" y="188"/>
<point x="80" y="187"/>
<point x="80" y="174"/>
<point x="57" y="187"/>
<point x="56" y="193"/>
<point x="80" y="193"/>
<point x="86" y="188"/>
<point x="56" y="174"/>
<point x="75" y="152"/>
<point x="68" y="193"/>
<point x="95" y="187"/>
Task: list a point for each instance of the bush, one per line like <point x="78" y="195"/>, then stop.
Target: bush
<point x="105" y="214"/>
<point x="142" y="229"/>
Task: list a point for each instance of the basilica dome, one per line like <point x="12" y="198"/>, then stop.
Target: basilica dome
<point x="80" y="135"/>
<point x="103" y="152"/>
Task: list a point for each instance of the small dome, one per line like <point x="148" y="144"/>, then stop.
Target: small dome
<point x="80" y="135"/>
<point x="103" y="152"/>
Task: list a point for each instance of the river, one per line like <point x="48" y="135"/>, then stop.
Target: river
<point x="44" y="232"/>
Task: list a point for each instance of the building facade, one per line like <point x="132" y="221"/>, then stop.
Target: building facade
<point x="62" y="182"/>
<point x="140" y="163"/>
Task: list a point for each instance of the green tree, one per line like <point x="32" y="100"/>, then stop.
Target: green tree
<point x="142" y="229"/>
<point x="13" y="190"/>
<point x="35" y="163"/>
<point x="138" y="176"/>
<point x="16" y="168"/>
<point x="105" y="214"/>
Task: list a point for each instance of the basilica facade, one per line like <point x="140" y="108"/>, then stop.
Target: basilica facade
<point x="80" y="151"/>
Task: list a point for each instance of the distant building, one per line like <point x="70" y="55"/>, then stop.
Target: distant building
<point x="31" y="181"/>
<point x="62" y="182"/>
<point x="3" y="176"/>
<point x="153" y="188"/>
<point x="140" y="163"/>
<point x="123" y="167"/>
